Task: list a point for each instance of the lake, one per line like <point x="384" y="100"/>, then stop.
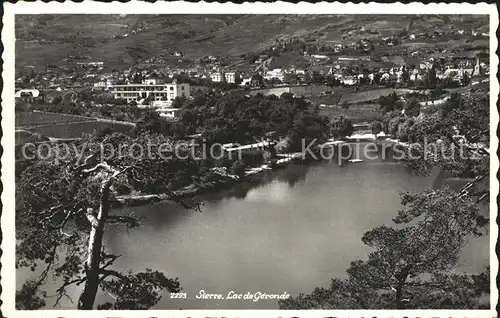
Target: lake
<point x="286" y="230"/>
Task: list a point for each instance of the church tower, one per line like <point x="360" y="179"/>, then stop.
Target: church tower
<point x="477" y="68"/>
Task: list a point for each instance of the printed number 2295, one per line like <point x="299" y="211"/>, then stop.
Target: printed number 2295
<point x="178" y="295"/>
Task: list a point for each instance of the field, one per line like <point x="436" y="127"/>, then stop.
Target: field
<point x="356" y="113"/>
<point x="31" y="119"/>
<point x="328" y="100"/>
<point x="370" y="95"/>
<point x="75" y="130"/>
<point x="304" y="90"/>
<point x="62" y="125"/>
<point x="343" y="95"/>
<point x="361" y="105"/>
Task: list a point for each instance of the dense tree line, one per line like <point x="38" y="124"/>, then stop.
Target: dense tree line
<point x="411" y="267"/>
<point x="461" y="122"/>
<point x="242" y="119"/>
<point x="464" y="116"/>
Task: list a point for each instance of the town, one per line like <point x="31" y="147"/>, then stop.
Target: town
<point x="402" y="60"/>
<point x="345" y="79"/>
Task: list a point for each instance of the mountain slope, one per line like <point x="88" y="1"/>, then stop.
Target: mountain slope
<point x="121" y="40"/>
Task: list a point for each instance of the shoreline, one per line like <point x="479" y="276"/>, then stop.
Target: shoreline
<point x="224" y="180"/>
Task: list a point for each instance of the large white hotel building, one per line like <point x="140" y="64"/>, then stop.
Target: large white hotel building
<point x="150" y="88"/>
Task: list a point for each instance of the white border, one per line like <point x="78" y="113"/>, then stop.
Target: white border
<point x="179" y="7"/>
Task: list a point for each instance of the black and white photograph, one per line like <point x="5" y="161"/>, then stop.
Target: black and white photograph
<point x="227" y="161"/>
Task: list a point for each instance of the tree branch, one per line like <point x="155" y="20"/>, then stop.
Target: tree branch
<point x="130" y="221"/>
<point x="92" y="218"/>
<point x="102" y="165"/>
<point x="482" y="132"/>
<point x="48" y="218"/>
<point x="112" y="259"/>
<point x="107" y="272"/>
<point x="481" y="198"/>
<point x="174" y="197"/>
<point x="45" y="272"/>
<point x="64" y="223"/>
<point x="61" y="291"/>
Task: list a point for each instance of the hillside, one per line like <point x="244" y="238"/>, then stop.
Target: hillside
<point x="121" y="40"/>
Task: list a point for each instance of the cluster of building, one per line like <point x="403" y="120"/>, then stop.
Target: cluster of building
<point x="99" y="66"/>
<point x="154" y="92"/>
<point x="149" y="93"/>
<point x="460" y="72"/>
<point x="353" y="70"/>
<point x="153" y="85"/>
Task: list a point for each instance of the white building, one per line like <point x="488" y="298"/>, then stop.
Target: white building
<point x="31" y="92"/>
<point x="452" y="72"/>
<point x="385" y="77"/>
<point x="151" y="81"/>
<point x="168" y="112"/>
<point x="104" y="84"/>
<point x="416" y="76"/>
<point x="217" y="77"/>
<point x="228" y="77"/>
<point x="399" y="75"/>
<point x="150" y="88"/>
<point x="232" y="77"/>
<point x="350" y="80"/>
<point x="319" y="57"/>
<point x="276" y="73"/>
<point x="97" y="65"/>
<point x="246" y="81"/>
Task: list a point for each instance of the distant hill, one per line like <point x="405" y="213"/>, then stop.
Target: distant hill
<point x="122" y="40"/>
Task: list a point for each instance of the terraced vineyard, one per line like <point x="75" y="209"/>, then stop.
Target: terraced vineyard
<point x="119" y="40"/>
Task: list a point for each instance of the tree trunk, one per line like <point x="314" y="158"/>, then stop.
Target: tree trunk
<point x="399" y="295"/>
<point x="88" y="295"/>
<point x="399" y="288"/>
